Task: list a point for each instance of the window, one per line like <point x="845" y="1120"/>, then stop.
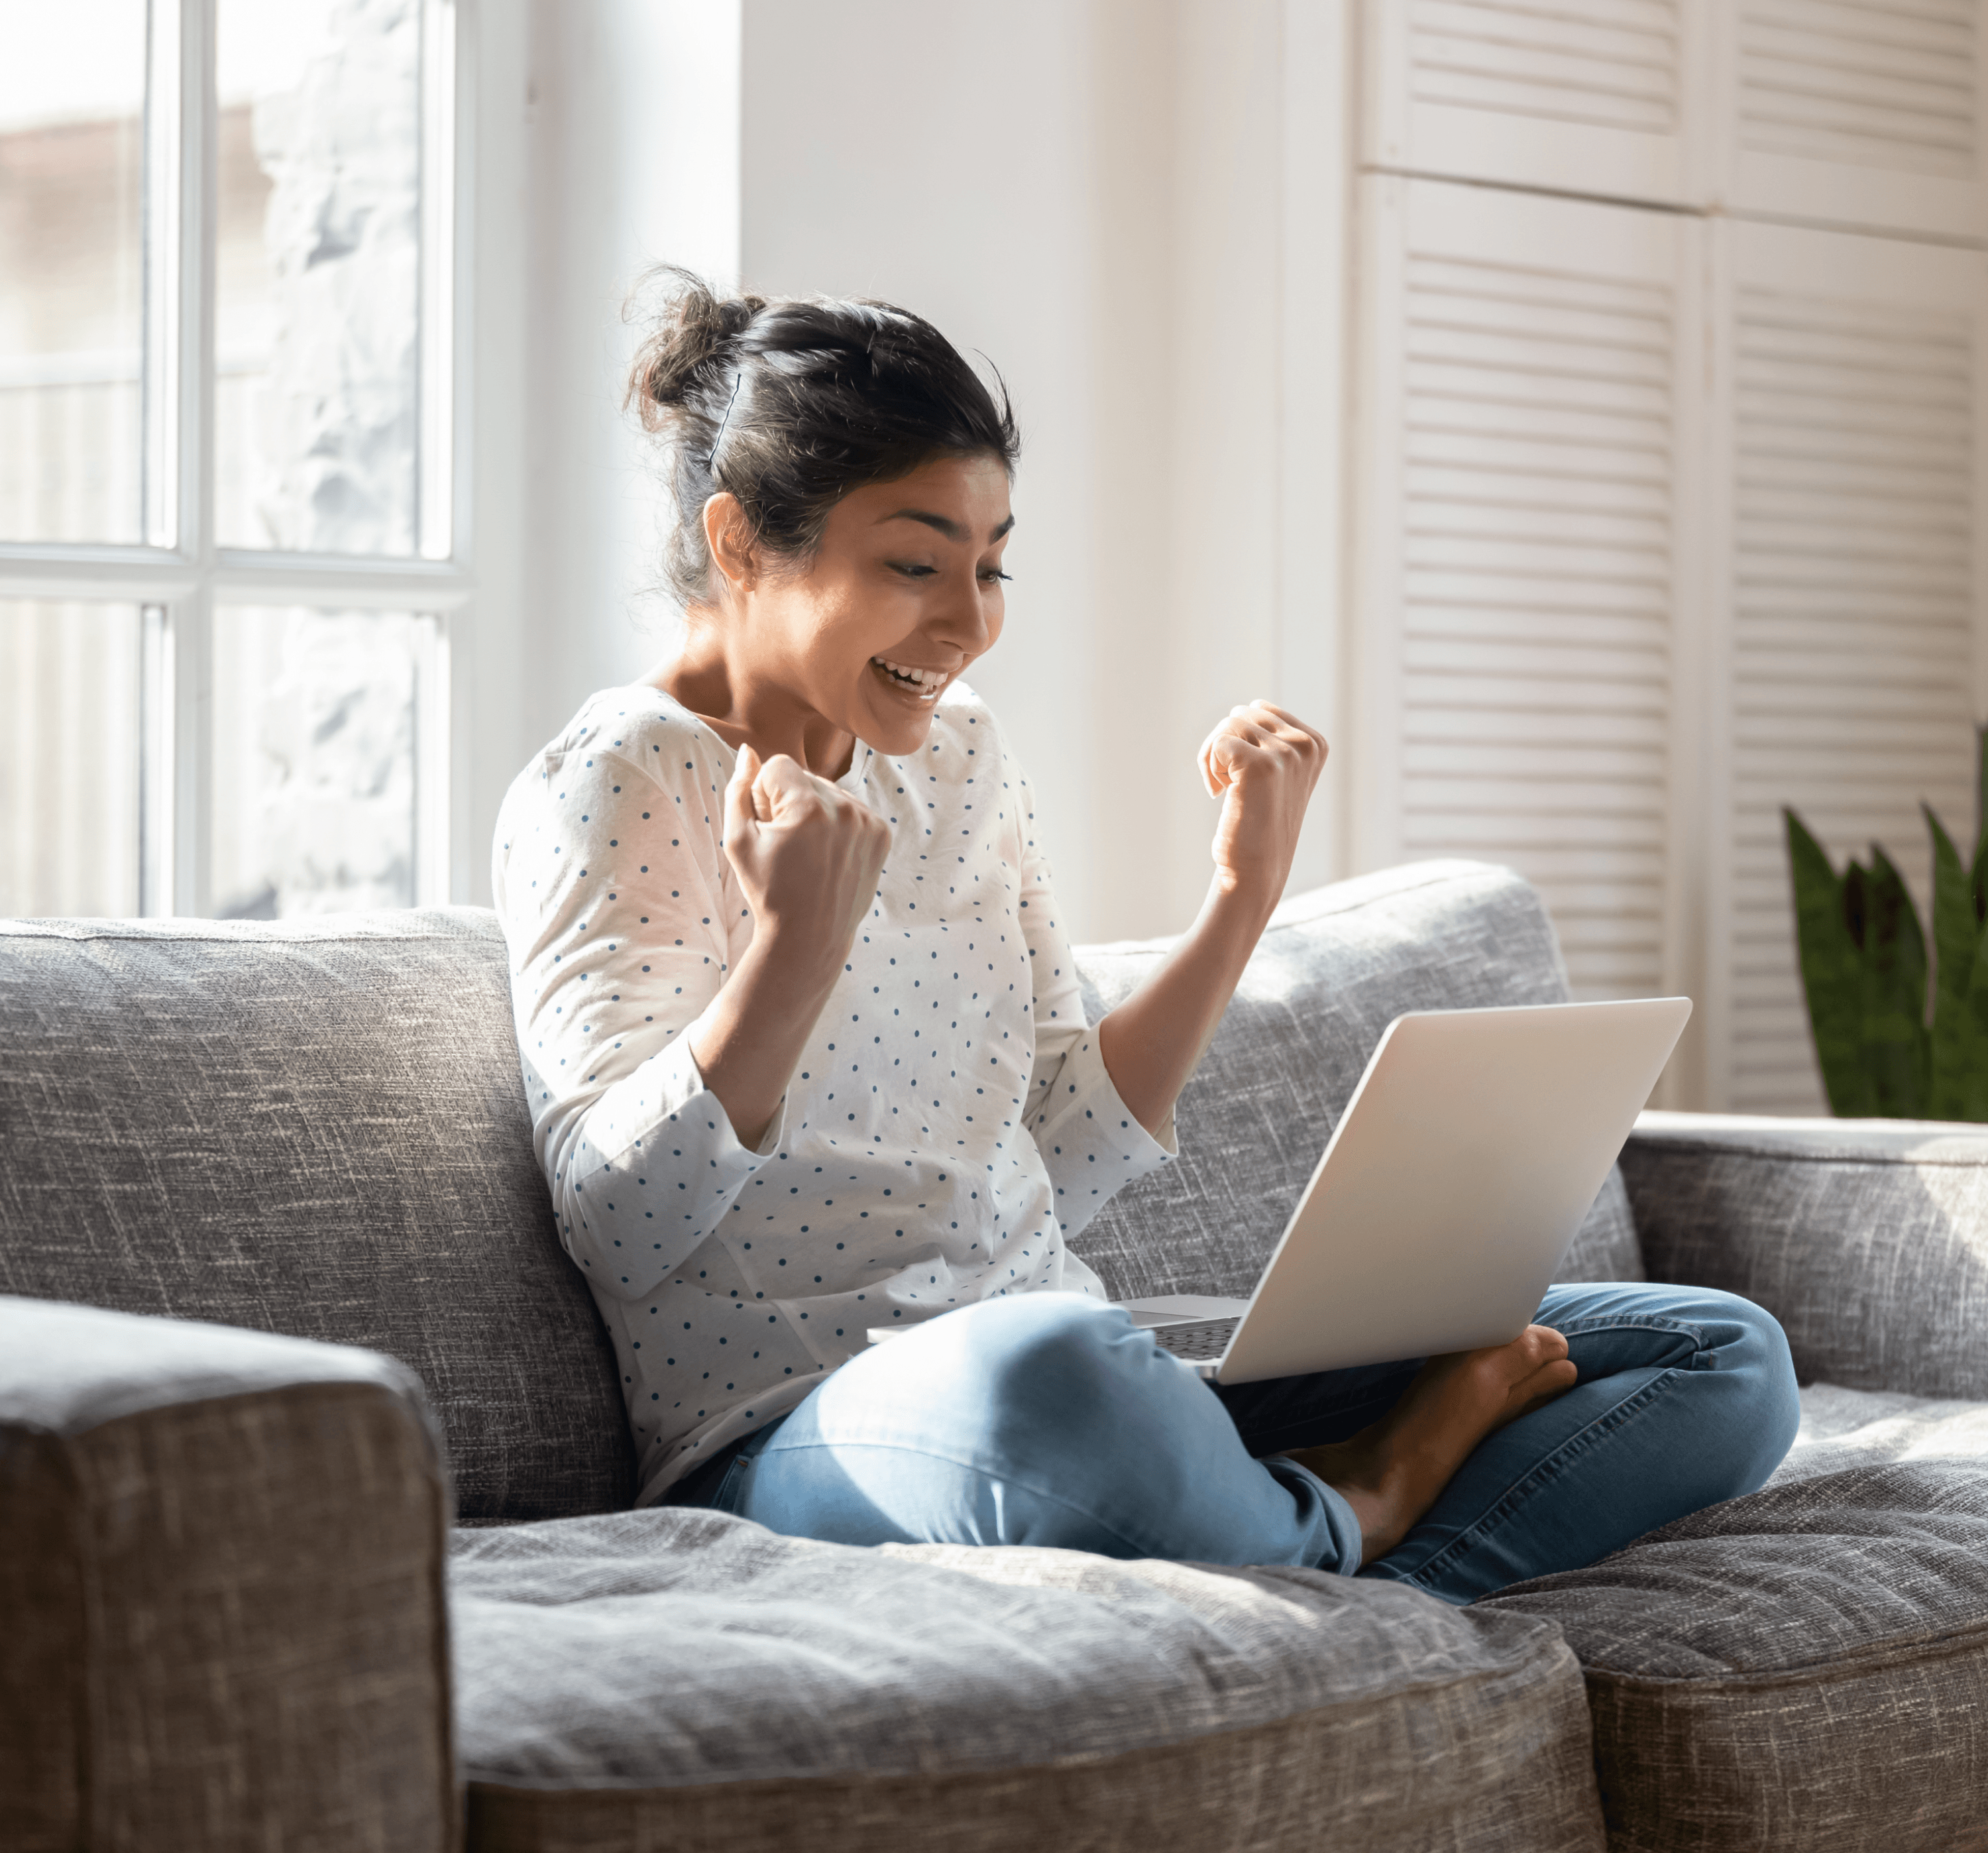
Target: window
<point x="232" y="527"/>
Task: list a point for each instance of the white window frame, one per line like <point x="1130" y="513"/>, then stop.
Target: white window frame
<point x="177" y="574"/>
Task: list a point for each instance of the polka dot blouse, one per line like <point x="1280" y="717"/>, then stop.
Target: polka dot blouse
<point x="950" y="1124"/>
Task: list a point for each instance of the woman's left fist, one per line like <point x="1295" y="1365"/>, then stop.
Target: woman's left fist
<point x="1262" y="762"/>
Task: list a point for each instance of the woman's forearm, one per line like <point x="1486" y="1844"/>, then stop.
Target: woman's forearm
<point x="748" y="1042"/>
<point x="1151" y="1043"/>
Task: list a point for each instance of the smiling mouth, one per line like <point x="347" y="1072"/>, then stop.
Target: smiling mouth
<point x="924" y="684"/>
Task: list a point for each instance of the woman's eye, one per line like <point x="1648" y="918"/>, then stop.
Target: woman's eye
<point x="995" y="572"/>
<point x="912" y="571"/>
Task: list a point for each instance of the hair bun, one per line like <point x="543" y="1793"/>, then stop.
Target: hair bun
<point x="690" y="329"/>
<point x="787" y="403"/>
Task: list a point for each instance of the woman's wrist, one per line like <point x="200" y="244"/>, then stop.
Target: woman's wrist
<point x="1248" y="898"/>
<point x="750" y="1041"/>
<point x="797" y="965"/>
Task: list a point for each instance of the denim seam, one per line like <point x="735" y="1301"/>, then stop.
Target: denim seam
<point x="967" y="1466"/>
<point x="1538" y="1475"/>
<point x="1704" y="1355"/>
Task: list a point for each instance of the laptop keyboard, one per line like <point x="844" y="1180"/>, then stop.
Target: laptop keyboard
<point x="1198" y="1341"/>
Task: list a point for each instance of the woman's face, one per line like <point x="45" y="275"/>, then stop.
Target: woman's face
<point x="903" y="594"/>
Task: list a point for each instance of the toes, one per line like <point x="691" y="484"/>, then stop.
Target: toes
<point x="1550" y="1380"/>
<point x="1545" y="1341"/>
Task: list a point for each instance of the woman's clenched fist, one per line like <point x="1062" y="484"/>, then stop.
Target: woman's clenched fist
<point x="1263" y="761"/>
<point x="806" y="853"/>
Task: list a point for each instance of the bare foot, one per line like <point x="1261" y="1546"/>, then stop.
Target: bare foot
<point x="1391" y="1472"/>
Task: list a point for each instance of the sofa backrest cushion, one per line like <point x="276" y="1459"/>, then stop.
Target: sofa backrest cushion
<point x="315" y="1126"/>
<point x="1335" y="968"/>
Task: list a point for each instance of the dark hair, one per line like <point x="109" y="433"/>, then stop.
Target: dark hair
<point x="790" y="403"/>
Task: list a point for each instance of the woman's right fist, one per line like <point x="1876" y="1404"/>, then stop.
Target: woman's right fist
<point x="806" y="853"/>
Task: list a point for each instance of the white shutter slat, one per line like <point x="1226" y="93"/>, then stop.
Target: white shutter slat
<point x="1612" y="761"/>
<point x="1590" y="97"/>
<point x="1853" y="580"/>
<point x="1510" y="794"/>
<point x="1522" y="457"/>
<point x="1630" y="32"/>
<point x="1536" y="523"/>
<point x="1508" y="735"/>
<point x="1939" y="25"/>
<point x="1865" y="114"/>
<point x="1516" y="612"/>
<point x="1542" y="591"/>
<point x="1523" y="489"/>
<point x="1793" y="84"/>
<point x="1912" y="52"/>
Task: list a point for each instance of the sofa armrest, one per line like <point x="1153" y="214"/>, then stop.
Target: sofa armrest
<point x="1867" y="1239"/>
<point x="221" y="1556"/>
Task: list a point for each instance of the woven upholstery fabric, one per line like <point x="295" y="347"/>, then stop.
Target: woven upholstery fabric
<point x="1294" y="1785"/>
<point x="681" y="1677"/>
<point x="1843" y="1429"/>
<point x="314" y="1127"/>
<point x="1807" y="1667"/>
<point x="1867" y="1239"/>
<point x="221" y="1560"/>
<point x="1335" y="968"/>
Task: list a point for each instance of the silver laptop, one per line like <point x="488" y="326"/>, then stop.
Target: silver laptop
<point x="1451" y="1189"/>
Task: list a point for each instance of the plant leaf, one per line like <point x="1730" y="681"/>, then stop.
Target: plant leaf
<point x="1956" y="932"/>
<point x="1832" y="973"/>
<point x="1895" y="1051"/>
<point x="1962" y="1052"/>
<point x="1980" y="794"/>
<point x="1978" y="882"/>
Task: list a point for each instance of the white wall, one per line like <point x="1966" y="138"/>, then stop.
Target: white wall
<point x="1090" y="193"/>
<point x="632" y="151"/>
<point x="966" y="168"/>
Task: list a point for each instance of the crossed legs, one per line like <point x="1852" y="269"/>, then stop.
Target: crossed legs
<point x="1051" y="1419"/>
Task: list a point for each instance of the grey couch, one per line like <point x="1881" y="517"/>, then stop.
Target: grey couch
<point x="283" y="1294"/>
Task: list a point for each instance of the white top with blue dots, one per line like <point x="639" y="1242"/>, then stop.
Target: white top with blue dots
<point x="950" y="1121"/>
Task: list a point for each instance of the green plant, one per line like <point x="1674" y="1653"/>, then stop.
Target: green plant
<point x="1892" y="1045"/>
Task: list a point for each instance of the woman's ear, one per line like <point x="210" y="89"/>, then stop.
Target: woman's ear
<point x="728" y="539"/>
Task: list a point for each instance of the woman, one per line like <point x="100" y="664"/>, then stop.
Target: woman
<point x="806" y="1055"/>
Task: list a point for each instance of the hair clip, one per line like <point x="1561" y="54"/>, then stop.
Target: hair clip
<point x="711" y="456"/>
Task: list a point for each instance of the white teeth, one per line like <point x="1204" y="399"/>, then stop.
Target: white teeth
<point x="928" y="681"/>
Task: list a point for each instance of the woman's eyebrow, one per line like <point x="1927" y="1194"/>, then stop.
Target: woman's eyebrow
<point x="950" y="528"/>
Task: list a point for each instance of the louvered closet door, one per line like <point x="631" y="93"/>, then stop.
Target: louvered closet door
<point x="1850" y="596"/>
<point x="1861" y="113"/>
<point x="1521" y="549"/>
<point x="1594" y="96"/>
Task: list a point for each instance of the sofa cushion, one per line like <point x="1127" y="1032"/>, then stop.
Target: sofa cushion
<point x="1867" y="1239"/>
<point x="314" y="1127"/>
<point x="1335" y="968"/>
<point x="1808" y="1666"/>
<point x="681" y="1677"/>
<point x="317" y="1127"/>
<point x="1843" y="1429"/>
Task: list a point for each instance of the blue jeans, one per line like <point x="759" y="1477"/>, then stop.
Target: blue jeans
<point x="1048" y="1418"/>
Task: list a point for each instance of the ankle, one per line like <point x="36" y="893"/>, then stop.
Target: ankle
<point x="1362" y="1480"/>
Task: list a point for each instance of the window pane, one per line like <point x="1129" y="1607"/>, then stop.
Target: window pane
<point x="317" y="319"/>
<point x="68" y="759"/>
<point x="72" y="268"/>
<point x="315" y="759"/>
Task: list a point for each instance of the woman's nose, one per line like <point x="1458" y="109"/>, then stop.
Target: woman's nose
<point x="962" y="617"/>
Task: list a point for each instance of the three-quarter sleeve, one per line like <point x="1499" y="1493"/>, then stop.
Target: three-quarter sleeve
<point x="1091" y="1145"/>
<point x="629" y="922"/>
